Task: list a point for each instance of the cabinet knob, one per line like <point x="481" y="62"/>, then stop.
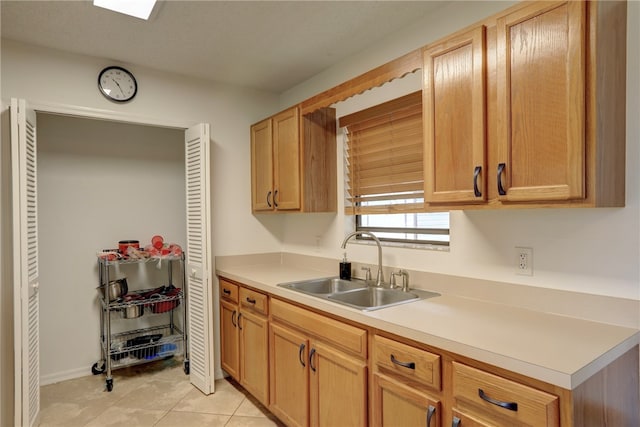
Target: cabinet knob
<point x="313" y="351"/>
<point x="476" y="173"/>
<point x="430" y="412"/>
<point x="501" y="190"/>
<point x="409" y="365"/>
<point x="512" y="406"/>
<point x="302" y="346"/>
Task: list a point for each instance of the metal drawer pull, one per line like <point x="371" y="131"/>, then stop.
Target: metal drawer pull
<point x="456" y="422"/>
<point x="313" y="351"/>
<point x="430" y="412"/>
<point x="226" y="291"/>
<point x="275" y="203"/>
<point x="501" y="190"/>
<point x="512" y="406"/>
<point x="410" y="365"/>
<point x="233" y="319"/>
<point x="269" y="199"/>
<point x="300" y="355"/>
<point x="239" y="316"/>
<point x="476" y="173"/>
<point x="251" y="301"/>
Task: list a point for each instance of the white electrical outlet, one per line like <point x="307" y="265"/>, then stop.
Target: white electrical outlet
<point x="524" y="261"/>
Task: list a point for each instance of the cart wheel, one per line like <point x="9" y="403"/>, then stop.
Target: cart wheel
<point x="186" y="367"/>
<point x="97" y="369"/>
<point x="110" y="384"/>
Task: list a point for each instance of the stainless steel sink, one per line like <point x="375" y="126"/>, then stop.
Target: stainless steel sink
<point x="328" y="285"/>
<point x="355" y="293"/>
<point x="373" y="298"/>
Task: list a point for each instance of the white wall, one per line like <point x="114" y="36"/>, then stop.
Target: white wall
<point x="594" y="251"/>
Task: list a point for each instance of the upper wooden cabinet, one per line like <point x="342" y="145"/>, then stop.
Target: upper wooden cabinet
<point x="293" y="162"/>
<point x="541" y="74"/>
<point x="454" y="119"/>
<point x="527" y="109"/>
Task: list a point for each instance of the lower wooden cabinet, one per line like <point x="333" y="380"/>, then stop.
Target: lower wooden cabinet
<point x="229" y="338"/>
<point x="499" y="401"/>
<point x="397" y="404"/>
<point x="313" y="382"/>
<point x="254" y="354"/>
<point x="288" y="365"/>
<point x="338" y="387"/>
<point x="244" y="338"/>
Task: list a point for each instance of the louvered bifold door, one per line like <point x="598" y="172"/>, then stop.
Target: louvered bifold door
<point x="198" y="258"/>
<point x="25" y="264"/>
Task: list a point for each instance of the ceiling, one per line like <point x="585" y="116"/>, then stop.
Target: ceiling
<point x="267" y="45"/>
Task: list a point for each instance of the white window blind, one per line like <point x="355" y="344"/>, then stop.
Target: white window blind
<point x="384" y="157"/>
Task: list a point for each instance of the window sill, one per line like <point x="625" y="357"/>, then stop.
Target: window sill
<point x="419" y="246"/>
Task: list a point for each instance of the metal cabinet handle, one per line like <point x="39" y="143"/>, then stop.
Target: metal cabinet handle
<point x="302" y="346"/>
<point x="269" y="199"/>
<point x="233" y="319"/>
<point x="430" y="412"/>
<point x="456" y="422"/>
<point x="512" y="406"/>
<point x="410" y="365"/>
<point x="313" y="351"/>
<point x="239" y="316"/>
<point x="251" y="301"/>
<point x="275" y="203"/>
<point x="501" y="190"/>
<point x="226" y="291"/>
<point x="476" y="173"/>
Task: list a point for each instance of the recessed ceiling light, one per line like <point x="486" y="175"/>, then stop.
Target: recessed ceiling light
<point x="138" y="8"/>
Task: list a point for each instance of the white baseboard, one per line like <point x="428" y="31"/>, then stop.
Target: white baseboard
<point x="63" y="376"/>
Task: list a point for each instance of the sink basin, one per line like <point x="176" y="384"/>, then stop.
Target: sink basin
<point x="329" y="285"/>
<point x="355" y="293"/>
<point x="373" y="298"/>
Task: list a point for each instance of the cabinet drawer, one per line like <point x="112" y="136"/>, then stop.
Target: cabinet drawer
<point x="482" y="393"/>
<point x="408" y="361"/>
<point x="228" y="290"/>
<point x="347" y="338"/>
<point x="253" y="299"/>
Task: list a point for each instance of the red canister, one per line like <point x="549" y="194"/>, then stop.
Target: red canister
<point x="123" y="245"/>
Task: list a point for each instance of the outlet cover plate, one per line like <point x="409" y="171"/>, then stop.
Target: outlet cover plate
<point x="524" y="261"/>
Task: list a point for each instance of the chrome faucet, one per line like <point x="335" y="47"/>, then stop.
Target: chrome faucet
<point x="379" y="276"/>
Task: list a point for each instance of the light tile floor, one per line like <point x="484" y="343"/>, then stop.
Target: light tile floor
<point x="155" y="394"/>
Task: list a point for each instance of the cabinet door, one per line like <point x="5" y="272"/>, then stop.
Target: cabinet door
<point x="286" y="141"/>
<point x="229" y="343"/>
<point x="289" y="374"/>
<point x="338" y="388"/>
<point x="454" y="119"/>
<point x="397" y="404"/>
<point x="541" y="102"/>
<point x="262" y="166"/>
<point x="254" y="355"/>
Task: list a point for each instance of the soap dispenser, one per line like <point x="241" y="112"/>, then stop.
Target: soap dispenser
<point x="345" y="268"/>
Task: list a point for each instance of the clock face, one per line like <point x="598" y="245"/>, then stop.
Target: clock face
<point x="117" y="84"/>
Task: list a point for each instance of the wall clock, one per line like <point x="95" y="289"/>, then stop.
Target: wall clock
<point x="117" y="84"/>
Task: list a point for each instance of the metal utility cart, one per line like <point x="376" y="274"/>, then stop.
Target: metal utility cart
<point x="141" y="345"/>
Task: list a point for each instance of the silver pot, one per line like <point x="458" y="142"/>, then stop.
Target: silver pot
<point x="117" y="288"/>
<point x="132" y="310"/>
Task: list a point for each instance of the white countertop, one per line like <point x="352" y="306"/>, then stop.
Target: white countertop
<point x="559" y="350"/>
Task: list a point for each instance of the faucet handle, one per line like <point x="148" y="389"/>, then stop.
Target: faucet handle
<point x="405" y="279"/>
<point x="367" y="274"/>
